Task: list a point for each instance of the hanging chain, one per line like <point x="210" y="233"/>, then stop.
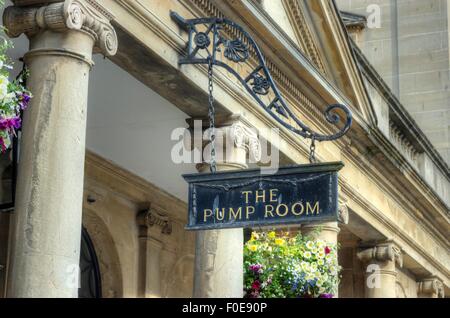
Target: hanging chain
<point x="312" y="151"/>
<point x="211" y="115"/>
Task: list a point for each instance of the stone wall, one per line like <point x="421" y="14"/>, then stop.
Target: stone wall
<point x="410" y="51"/>
<point x="138" y="256"/>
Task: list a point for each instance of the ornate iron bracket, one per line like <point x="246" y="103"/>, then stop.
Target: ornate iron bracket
<point x="205" y="36"/>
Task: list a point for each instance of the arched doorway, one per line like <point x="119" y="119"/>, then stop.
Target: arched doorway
<point x="90" y="279"/>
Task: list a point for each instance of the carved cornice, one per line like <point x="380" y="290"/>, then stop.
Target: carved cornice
<point x="24" y="3"/>
<point x="382" y="252"/>
<point x="303" y="33"/>
<point x="431" y="286"/>
<point x="86" y="15"/>
<point x="154" y="217"/>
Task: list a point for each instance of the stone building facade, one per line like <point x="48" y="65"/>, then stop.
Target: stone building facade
<point x="409" y="48"/>
<point x="96" y="185"/>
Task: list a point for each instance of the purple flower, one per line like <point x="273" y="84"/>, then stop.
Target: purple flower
<point x="257" y="269"/>
<point x="9" y="123"/>
<point x="326" y="296"/>
<point x="24" y="99"/>
<point x="16" y="122"/>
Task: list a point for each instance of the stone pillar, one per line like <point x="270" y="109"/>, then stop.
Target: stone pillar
<point x="44" y="255"/>
<point x="328" y="231"/>
<point x="152" y="224"/>
<point x="219" y="260"/>
<point x="430" y="288"/>
<point x="380" y="272"/>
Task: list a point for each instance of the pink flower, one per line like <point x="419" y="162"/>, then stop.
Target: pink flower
<point x="327" y="250"/>
<point x="256" y="285"/>
<point x="256" y="268"/>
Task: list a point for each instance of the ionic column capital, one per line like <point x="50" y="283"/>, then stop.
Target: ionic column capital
<point x="431" y="287"/>
<point x="235" y="140"/>
<point x="381" y="252"/>
<point x="82" y="15"/>
<point x="154" y="216"/>
<point x="245" y="138"/>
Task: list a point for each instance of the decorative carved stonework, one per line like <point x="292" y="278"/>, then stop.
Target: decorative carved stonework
<point x="154" y="217"/>
<point x="86" y="15"/>
<point x="382" y="252"/>
<point x="229" y="131"/>
<point x="246" y="138"/>
<point x="343" y="212"/>
<point x="24" y="3"/>
<point x="430" y="287"/>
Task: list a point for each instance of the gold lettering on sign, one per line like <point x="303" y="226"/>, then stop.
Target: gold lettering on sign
<point x="260" y="196"/>
<point x="273" y="196"/>
<point x="282" y="207"/>
<point x="220" y="214"/>
<point x="298" y="211"/>
<point x="269" y="209"/>
<point x="246" y="193"/>
<point x="236" y="214"/>
<point x="310" y="209"/>
<point x="206" y="214"/>
<point x="249" y="210"/>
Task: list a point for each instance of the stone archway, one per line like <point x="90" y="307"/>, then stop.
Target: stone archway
<point x="90" y="277"/>
<point x="107" y="255"/>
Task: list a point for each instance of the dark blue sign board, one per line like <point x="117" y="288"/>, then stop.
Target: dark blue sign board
<point x="293" y="195"/>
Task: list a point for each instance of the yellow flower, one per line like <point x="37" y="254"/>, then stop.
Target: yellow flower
<point x="279" y="241"/>
<point x="271" y="235"/>
<point x="253" y="247"/>
<point x="255" y="236"/>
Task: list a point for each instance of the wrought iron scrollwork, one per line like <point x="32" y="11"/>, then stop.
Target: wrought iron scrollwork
<point x="205" y="35"/>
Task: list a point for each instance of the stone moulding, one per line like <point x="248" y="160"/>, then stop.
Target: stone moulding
<point x="431" y="286"/>
<point x="154" y="217"/>
<point x="382" y="253"/>
<point x="88" y="16"/>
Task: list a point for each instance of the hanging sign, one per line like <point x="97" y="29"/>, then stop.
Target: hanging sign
<point x="293" y="195"/>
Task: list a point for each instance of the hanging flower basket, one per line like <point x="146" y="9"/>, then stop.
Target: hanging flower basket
<point x="279" y="266"/>
<point x="14" y="98"/>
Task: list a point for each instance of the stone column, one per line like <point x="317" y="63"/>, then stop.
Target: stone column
<point x="152" y="224"/>
<point x="430" y="288"/>
<point x="380" y="272"/>
<point x="328" y="231"/>
<point x="44" y="255"/>
<point x="219" y="260"/>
